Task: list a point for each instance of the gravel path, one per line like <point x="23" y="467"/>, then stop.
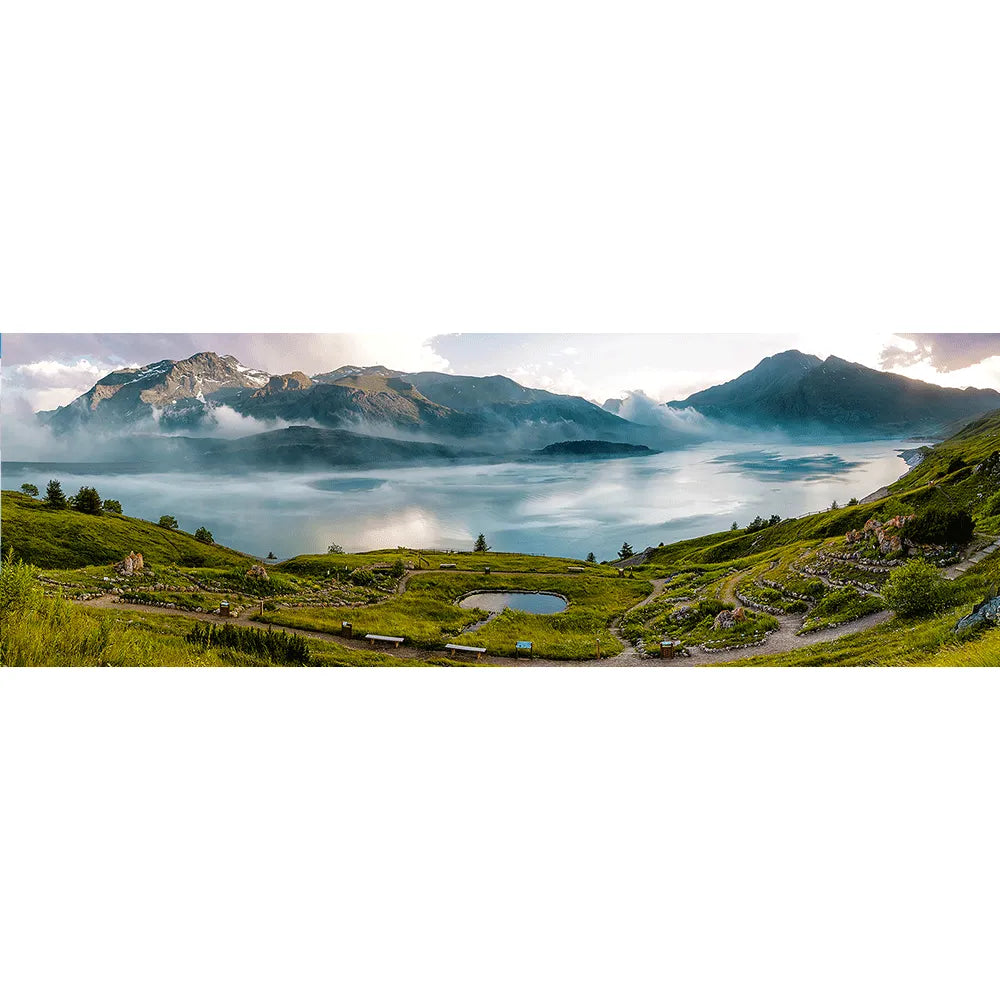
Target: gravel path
<point x="783" y="641"/>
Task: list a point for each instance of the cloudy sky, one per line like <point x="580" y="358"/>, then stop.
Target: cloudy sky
<point x="42" y="371"/>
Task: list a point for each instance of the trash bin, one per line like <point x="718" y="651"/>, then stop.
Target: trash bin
<point x="486" y="570"/>
<point x="667" y="650"/>
<point x="346" y="629"/>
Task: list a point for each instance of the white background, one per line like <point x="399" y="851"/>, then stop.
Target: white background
<point x="405" y="170"/>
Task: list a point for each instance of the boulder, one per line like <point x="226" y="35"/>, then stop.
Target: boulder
<point x="725" y="620"/>
<point x="130" y="565"/>
<point x="257" y="572"/>
<point x="984" y="613"/>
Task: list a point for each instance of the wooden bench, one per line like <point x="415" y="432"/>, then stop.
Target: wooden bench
<point x="394" y="639"/>
<point x="448" y="566"/>
<point x="576" y="569"/>
<point x="453" y="648"/>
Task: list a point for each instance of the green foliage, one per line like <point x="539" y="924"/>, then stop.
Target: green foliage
<point x="87" y="501"/>
<point x="40" y="631"/>
<point x="29" y="489"/>
<point x="841" y="605"/>
<point x="940" y="525"/>
<point x="481" y="545"/>
<point x="114" y="506"/>
<point x="835" y="505"/>
<point x="204" y="535"/>
<point x="279" y="647"/>
<point x="895" y="507"/>
<point x="168" y="521"/>
<point x="916" y="588"/>
<point x="333" y="549"/>
<point x="54" y="495"/>
<point x="591" y="558"/>
<point x="625" y="552"/>
<point x="759" y="523"/>
<point x="67" y="539"/>
<point x="427" y="615"/>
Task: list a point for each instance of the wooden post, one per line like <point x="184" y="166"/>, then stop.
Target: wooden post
<point x="598" y="648"/>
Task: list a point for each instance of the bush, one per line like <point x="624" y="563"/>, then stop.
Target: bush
<point x="113" y="505"/>
<point x="711" y="607"/>
<point x="204" y="535"/>
<point x="87" y="501"/>
<point x="938" y="525"/>
<point x="333" y="549"/>
<point x="916" y="588"/>
<point x="29" y="489"/>
<point x="168" y="521"/>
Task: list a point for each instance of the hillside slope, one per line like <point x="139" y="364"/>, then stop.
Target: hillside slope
<point x="65" y="539"/>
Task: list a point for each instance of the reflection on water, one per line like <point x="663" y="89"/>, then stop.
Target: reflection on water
<point x="557" y="509"/>
<point x="533" y="604"/>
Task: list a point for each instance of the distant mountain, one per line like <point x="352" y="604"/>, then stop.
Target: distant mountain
<point x="181" y="395"/>
<point x="795" y="391"/>
<point x="177" y="393"/>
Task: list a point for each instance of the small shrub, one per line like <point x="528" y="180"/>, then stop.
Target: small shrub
<point x="204" y="535"/>
<point x="112" y="505"/>
<point x="29" y="489"/>
<point x="915" y="589"/>
<point x="939" y="525"/>
<point x="168" y="521"/>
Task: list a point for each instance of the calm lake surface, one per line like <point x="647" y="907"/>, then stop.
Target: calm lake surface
<point x="563" y="509"/>
<point x="533" y="604"/>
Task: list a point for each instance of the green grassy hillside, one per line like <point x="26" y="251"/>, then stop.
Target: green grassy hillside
<point x="65" y="539"/>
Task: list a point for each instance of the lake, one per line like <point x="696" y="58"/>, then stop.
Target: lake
<point x="553" y="508"/>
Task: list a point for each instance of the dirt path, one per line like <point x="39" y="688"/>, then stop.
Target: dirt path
<point x="783" y="641"/>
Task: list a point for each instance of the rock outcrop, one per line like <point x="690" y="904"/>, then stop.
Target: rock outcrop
<point x="257" y="572"/>
<point x="985" y="613"/>
<point x="728" y="619"/>
<point x="130" y="565"/>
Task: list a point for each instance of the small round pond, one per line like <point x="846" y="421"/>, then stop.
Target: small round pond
<point x="533" y="604"/>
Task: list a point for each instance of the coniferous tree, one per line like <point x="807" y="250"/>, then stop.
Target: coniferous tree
<point x="54" y="495"/>
<point x="87" y="501"/>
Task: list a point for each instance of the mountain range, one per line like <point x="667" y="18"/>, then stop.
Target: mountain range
<point x="185" y="395"/>
<point x="369" y="415"/>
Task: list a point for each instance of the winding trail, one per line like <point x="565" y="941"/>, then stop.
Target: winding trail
<point x="783" y="641"/>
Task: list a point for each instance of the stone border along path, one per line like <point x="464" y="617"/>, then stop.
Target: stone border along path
<point x="782" y="641"/>
<point x="785" y="640"/>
